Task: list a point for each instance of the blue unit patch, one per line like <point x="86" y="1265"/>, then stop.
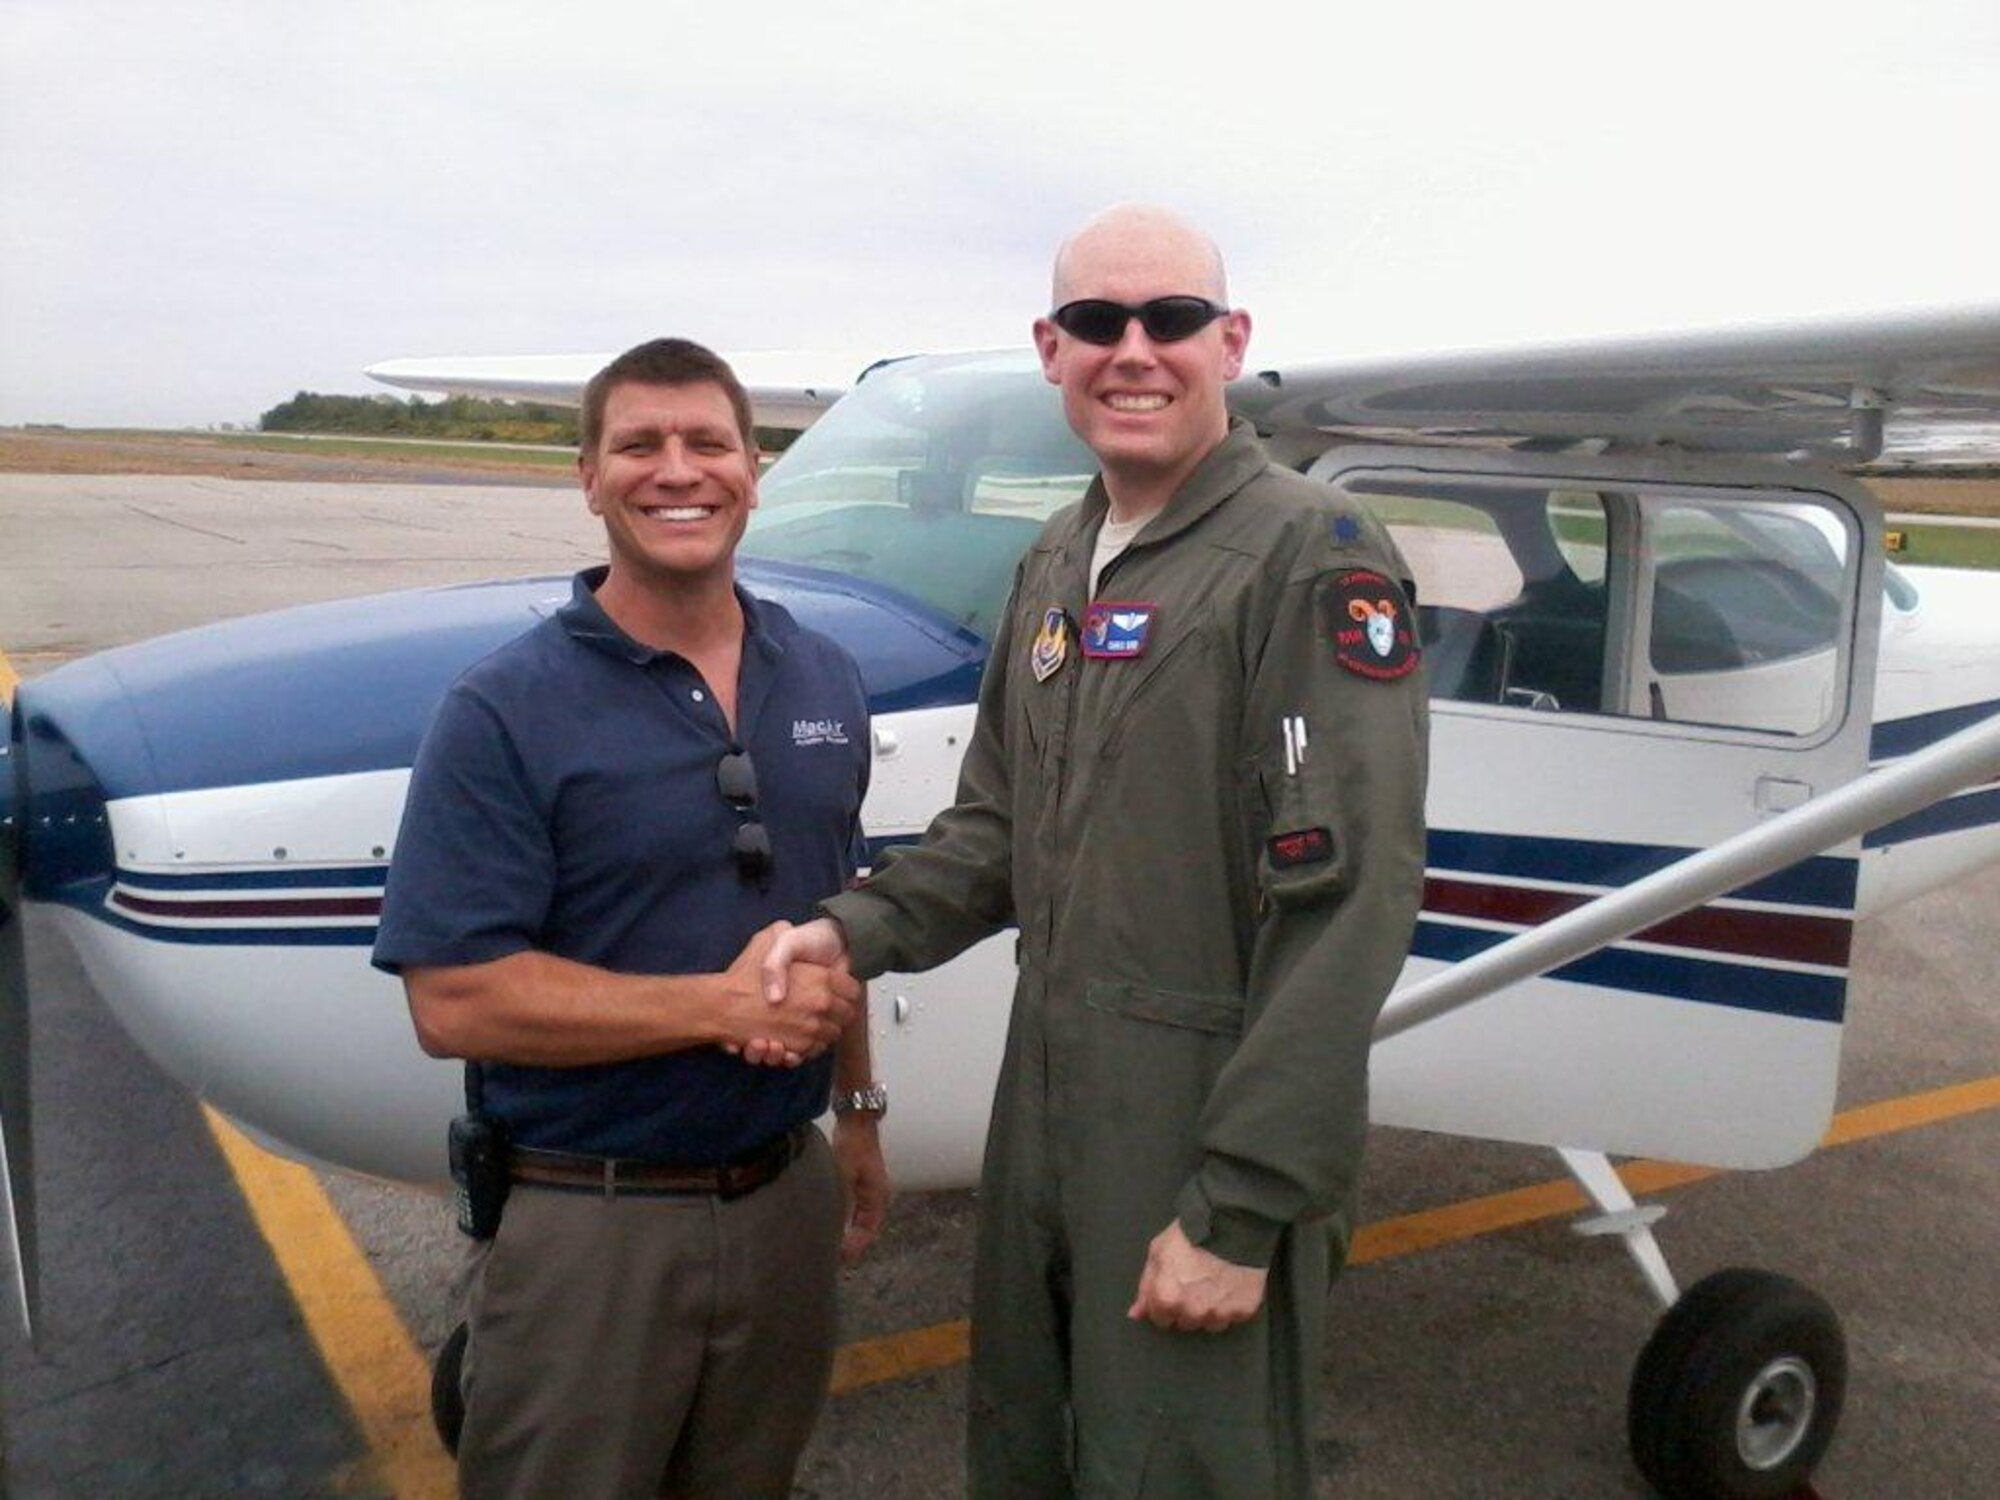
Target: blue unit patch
<point x="1346" y="529"/>
<point x="1117" y="630"/>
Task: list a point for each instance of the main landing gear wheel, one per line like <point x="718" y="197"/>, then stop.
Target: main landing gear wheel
<point x="1736" y="1395"/>
<point x="447" y="1395"/>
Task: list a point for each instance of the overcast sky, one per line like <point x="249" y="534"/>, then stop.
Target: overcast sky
<point x="206" y="206"/>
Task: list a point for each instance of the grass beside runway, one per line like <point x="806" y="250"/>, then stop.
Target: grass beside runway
<point x="1945" y="546"/>
<point x="407" y="450"/>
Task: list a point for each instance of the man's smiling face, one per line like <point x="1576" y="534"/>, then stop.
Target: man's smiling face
<point x="673" y="479"/>
<point x="1146" y="408"/>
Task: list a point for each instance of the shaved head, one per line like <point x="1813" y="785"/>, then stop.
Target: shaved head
<point x="1140" y="235"/>
<point x="1150" y="405"/>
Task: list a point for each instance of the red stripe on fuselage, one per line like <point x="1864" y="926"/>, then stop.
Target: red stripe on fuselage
<point x="242" y="910"/>
<point x="1744" y="934"/>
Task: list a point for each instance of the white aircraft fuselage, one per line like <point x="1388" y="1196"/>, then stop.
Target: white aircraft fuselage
<point x="1632" y="658"/>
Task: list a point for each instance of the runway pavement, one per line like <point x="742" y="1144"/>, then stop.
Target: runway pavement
<point x="203" y="1334"/>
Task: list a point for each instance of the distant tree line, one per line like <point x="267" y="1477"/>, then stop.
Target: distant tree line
<point x="455" y="418"/>
<point x="461" y="418"/>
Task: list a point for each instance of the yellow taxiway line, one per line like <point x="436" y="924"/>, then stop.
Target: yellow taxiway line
<point x="873" y="1361"/>
<point x="361" y="1340"/>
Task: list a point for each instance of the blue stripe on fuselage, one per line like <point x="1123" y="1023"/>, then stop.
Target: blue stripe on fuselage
<point x="1894" y="738"/>
<point x="1825" y="880"/>
<point x="1780" y="992"/>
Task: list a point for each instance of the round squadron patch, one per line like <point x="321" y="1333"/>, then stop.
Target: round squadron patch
<point x="1373" y="635"/>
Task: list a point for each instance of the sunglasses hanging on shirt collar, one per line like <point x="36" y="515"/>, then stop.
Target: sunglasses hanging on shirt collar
<point x="736" y="780"/>
<point x="1167" y="320"/>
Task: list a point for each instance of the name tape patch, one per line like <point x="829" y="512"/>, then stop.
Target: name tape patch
<point x="1117" y="630"/>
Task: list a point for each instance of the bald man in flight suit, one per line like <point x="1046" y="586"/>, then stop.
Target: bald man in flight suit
<point x="1196" y="785"/>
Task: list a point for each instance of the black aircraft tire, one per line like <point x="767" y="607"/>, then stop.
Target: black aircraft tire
<point x="447" y="1397"/>
<point x="1738" y="1392"/>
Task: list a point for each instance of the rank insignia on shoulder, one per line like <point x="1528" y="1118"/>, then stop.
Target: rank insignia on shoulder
<point x="1117" y="630"/>
<point x="1303" y="846"/>
<point x="1051" y="644"/>
<point x="1373" y="635"/>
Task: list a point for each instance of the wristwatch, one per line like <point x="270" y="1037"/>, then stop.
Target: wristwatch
<point x="871" y="1099"/>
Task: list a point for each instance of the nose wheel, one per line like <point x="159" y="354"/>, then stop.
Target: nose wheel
<point x="1737" y="1393"/>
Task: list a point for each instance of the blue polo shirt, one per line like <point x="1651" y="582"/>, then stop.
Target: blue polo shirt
<point x="565" y="800"/>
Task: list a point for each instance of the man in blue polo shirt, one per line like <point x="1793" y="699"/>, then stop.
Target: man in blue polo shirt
<point x="606" y="820"/>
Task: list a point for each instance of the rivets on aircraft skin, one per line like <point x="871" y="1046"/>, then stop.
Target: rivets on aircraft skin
<point x="278" y="853"/>
<point x="378" y="852"/>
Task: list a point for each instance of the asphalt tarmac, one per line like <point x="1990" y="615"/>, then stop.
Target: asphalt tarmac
<point x="175" y="1358"/>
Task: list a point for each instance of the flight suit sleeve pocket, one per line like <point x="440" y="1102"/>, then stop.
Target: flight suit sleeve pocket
<point x="1299" y="856"/>
<point x="1216" y="1014"/>
<point x="1301" y="866"/>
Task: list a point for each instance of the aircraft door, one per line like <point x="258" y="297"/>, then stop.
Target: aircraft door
<point x="1630" y="660"/>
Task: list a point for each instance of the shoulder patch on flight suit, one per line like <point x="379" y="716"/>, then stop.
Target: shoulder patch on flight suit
<point x="1051" y="644"/>
<point x="1346" y="530"/>
<point x="1373" y="636"/>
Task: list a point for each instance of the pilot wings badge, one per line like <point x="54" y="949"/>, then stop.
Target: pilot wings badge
<point x="1051" y="644"/>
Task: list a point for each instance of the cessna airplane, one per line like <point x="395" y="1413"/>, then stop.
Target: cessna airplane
<point x="1664" y="650"/>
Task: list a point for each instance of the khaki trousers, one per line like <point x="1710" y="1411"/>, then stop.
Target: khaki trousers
<point x="635" y="1347"/>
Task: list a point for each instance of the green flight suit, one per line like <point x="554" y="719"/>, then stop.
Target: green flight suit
<point x="1212" y="908"/>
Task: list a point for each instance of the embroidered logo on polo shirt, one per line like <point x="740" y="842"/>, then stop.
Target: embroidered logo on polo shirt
<point x="819" y="732"/>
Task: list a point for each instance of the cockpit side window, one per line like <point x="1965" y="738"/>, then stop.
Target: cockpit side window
<point x="1679" y="607"/>
<point x="1510" y="586"/>
<point x="1746" y="614"/>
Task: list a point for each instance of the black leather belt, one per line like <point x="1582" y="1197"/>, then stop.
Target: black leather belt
<point x="614" y="1177"/>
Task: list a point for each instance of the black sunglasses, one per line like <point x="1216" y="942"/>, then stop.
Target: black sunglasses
<point x="736" y="779"/>
<point x="1167" y="320"/>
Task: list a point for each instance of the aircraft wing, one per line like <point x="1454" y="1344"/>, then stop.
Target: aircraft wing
<point x="1916" y="387"/>
<point x="788" y="388"/>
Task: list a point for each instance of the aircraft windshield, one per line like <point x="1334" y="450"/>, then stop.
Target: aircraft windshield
<point x="931" y="479"/>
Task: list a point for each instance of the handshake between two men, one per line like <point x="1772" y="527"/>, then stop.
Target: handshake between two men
<point x="790" y="994"/>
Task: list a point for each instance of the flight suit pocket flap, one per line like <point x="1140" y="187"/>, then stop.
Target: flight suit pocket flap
<point x="1217" y="1014"/>
<point x="1301" y="866"/>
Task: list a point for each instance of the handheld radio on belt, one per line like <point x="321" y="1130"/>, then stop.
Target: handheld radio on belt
<point x="477" y="1146"/>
